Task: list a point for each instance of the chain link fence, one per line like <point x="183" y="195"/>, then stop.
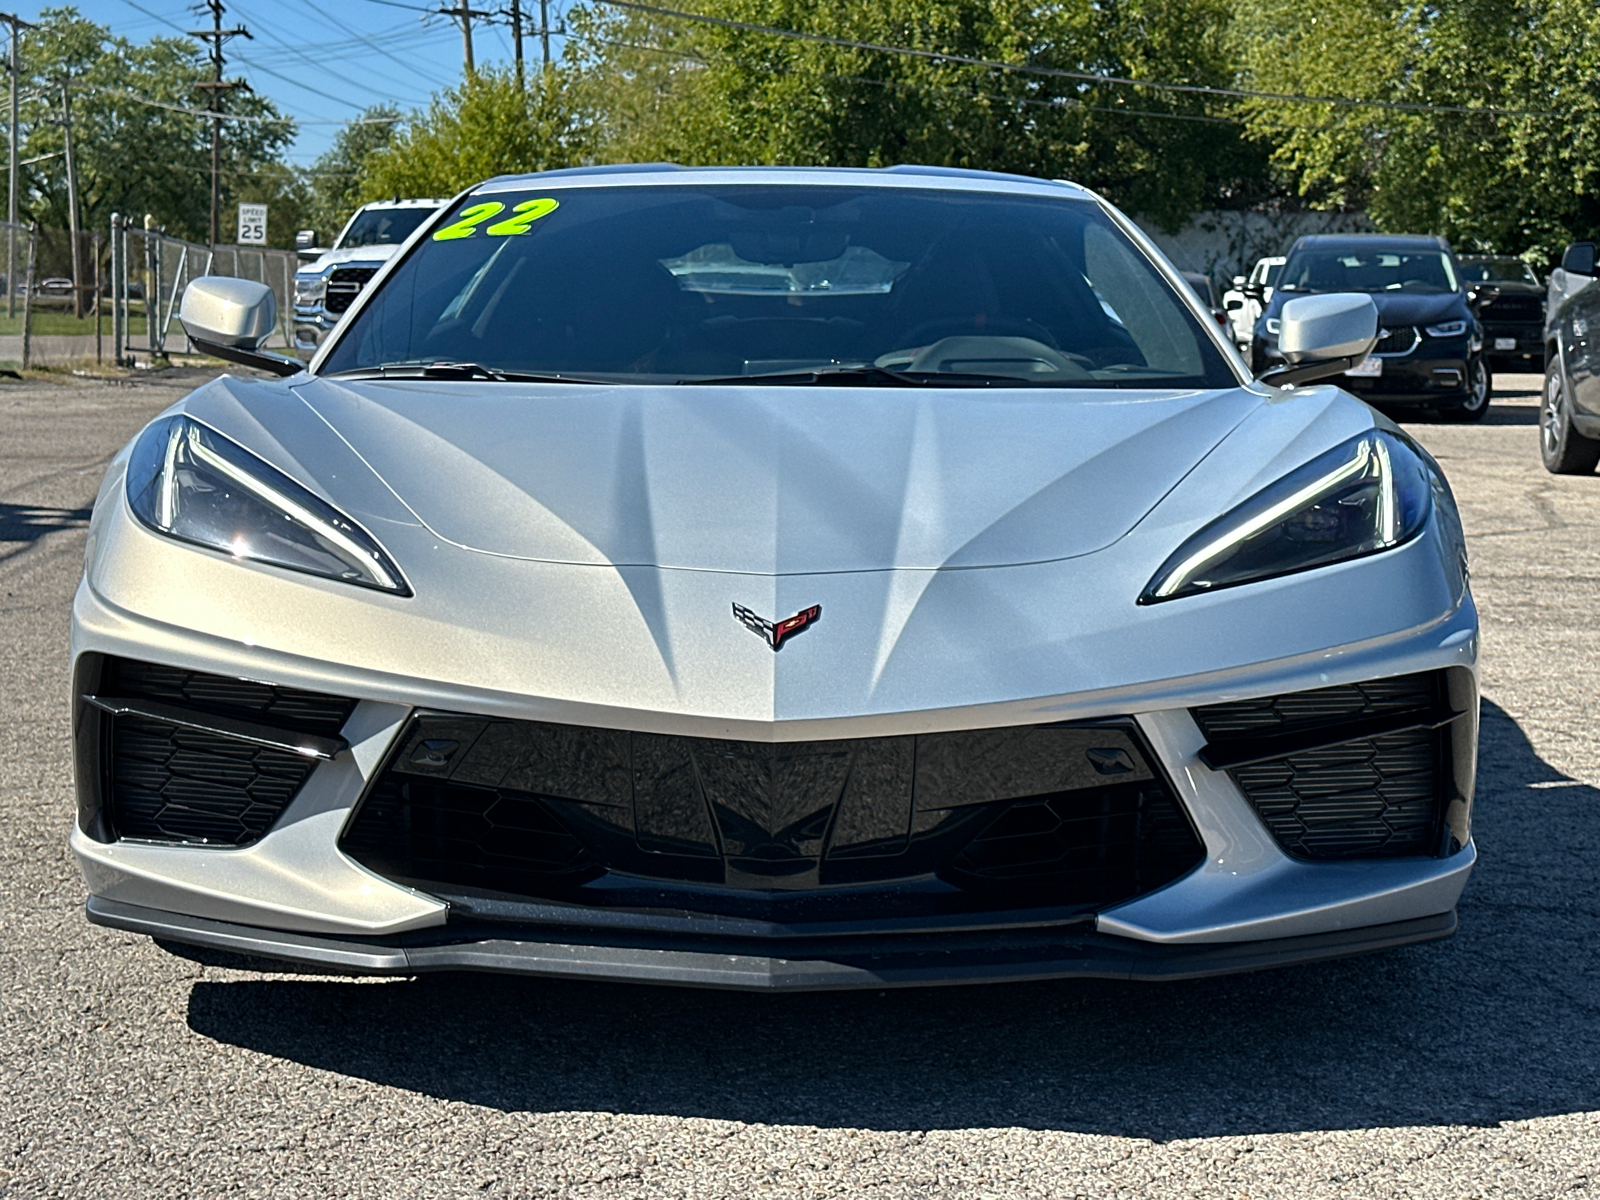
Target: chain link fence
<point x="150" y="269"/>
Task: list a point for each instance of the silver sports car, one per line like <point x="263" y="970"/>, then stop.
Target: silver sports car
<point x="780" y="579"/>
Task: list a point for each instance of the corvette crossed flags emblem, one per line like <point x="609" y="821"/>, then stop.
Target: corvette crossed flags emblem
<point x="775" y="633"/>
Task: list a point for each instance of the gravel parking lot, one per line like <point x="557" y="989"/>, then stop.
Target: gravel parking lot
<point x="1467" y="1068"/>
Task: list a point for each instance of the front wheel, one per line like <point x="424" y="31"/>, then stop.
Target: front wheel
<point x="1479" y="388"/>
<point x="1565" y="451"/>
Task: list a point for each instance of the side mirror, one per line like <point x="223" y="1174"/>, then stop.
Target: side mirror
<point x="1578" y="259"/>
<point x="305" y="239"/>
<point x="1254" y="291"/>
<point x="231" y="318"/>
<point x="1324" y="335"/>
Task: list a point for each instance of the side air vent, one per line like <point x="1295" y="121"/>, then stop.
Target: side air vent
<point x="190" y="757"/>
<point x="1356" y="771"/>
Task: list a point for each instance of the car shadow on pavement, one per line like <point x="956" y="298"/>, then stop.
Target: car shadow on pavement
<point x="1499" y="1023"/>
<point x="29" y="522"/>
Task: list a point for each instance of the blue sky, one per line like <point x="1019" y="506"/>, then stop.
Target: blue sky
<point x="323" y="61"/>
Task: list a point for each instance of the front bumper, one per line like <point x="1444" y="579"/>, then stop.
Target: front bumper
<point x="297" y="896"/>
<point x="1434" y="375"/>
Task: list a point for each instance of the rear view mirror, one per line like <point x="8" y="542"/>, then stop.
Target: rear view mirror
<point x="231" y="318"/>
<point x="1324" y="335"/>
<point x="1578" y="259"/>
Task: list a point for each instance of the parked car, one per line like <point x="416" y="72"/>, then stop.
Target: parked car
<point x="326" y="287"/>
<point x="1246" y="299"/>
<point x="1207" y="291"/>
<point x="1569" y="418"/>
<point x="775" y="579"/>
<point x="1430" y="354"/>
<point x="1510" y="301"/>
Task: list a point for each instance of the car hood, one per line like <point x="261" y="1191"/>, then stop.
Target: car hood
<point x="775" y="480"/>
<point x="361" y="254"/>
<point x="1399" y="308"/>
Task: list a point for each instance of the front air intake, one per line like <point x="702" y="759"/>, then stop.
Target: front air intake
<point x="183" y="756"/>
<point x="1357" y="771"/>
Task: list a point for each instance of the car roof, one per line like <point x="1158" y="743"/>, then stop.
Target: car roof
<point x="909" y="175"/>
<point x="1367" y="241"/>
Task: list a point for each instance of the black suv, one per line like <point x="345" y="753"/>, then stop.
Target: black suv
<point x="1430" y="343"/>
<point x="1510" y="303"/>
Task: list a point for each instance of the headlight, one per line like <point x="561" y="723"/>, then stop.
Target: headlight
<point x="1446" y="329"/>
<point x="1272" y="326"/>
<point x="189" y="482"/>
<point x="310" y="289"/>
<point x="1369" y="494"/>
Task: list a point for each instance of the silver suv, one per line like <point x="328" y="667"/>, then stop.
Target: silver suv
<point x="325" y="288"/>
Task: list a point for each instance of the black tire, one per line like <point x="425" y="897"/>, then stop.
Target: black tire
<point x="1565" y="451"/>
<point x="1480" y="390"/>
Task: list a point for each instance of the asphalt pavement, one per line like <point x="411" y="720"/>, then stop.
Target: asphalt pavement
<point x="1460" y="1069"/>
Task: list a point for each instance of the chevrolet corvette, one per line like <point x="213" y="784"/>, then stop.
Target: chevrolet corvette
<point x="775" y="579"/>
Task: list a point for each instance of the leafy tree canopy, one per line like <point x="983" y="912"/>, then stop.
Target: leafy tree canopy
<point x="1496" y="181"/>
<point x="489" y="125"/>
<point x="693" y="92"/>
<point x="135" y="153"/>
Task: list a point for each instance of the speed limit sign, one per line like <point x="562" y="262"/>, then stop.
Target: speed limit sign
<point x="252" y="224"/>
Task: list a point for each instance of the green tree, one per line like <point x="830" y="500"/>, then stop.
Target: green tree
<point x="137" y="151"/>
<point x="1520" y="180"/>
<point x="488" y="125"/>
<point x="699" y="93"/>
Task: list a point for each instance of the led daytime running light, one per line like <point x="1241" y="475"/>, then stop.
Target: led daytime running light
<point x="1231" y="538"/>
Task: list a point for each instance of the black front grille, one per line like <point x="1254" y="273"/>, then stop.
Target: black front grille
<point x="169" y="783"/>
<point x="1397" y="339"/>
<point x="1083" y="847"/>
<point x="1361" y="770"/>
<point x="1055" y="814"/>
<point x="344" y="285"/>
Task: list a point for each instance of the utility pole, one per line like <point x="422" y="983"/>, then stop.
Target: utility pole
<point x="215" y="88"/>
<point x="516" y="39"/>
<point x="463" y="12"/>
<point x="72" y="201"/>
<point x="544" y="31"/>
<point x="17" y="26"/>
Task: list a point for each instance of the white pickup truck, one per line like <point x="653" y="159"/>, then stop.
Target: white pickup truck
<point x="1248" y="298"/>
<point x="325" y="288"/>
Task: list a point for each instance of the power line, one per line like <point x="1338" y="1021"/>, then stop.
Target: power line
<point x="1057" y="104"/>
<point x="1063" y="73"/>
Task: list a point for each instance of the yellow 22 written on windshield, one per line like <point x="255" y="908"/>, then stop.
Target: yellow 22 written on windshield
<point x="521" y="218"/>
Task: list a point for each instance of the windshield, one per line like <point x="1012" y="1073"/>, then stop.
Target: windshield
<point x="1497" y="270"/>
<point x="681" y="283"/>
<point x="383" y="226"/>
<point x="1273" y="271"/>
<point x="1368" y="270"/>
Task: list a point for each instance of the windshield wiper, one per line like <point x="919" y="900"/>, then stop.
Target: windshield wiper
<point x="866" y="373"/>
<point x="456" y="370"/>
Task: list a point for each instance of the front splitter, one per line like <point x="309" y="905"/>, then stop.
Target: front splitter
<point x="1053" y="952"/>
